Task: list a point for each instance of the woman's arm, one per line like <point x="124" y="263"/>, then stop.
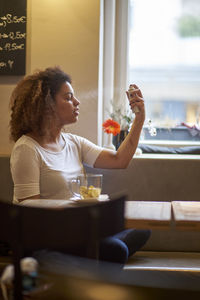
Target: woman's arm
<point x="120" y="159"/>
<point x="25" y="170"/>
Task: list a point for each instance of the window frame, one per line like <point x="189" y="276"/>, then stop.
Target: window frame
<point x="113" y="59"/>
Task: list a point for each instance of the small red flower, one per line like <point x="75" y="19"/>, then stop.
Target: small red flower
<point x="111" y="126"/>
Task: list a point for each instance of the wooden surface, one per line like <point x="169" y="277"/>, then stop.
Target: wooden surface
<point x="59" y="203"/>
<point x="148" y="214"/>
<point x="164" y="261"/>
<point x="186" y="215"/>
<point x="47" y="203"/>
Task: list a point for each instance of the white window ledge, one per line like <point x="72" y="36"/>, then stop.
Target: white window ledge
<point x="164" y="156"/>
<point x="167" y="143"/>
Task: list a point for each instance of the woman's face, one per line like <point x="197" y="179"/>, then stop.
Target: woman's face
<point x="67" y="105"/>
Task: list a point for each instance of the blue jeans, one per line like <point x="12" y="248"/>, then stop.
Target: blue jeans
<point x="119" y="247"/>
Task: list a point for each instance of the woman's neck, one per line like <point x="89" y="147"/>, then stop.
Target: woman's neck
<point x="53" y="142"/>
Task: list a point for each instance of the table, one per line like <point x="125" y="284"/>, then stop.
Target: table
<point x="59" y="203"/>
<point x="148" y="214"/>
<point x="175" y="215"/>
<point x="47" y="203"/>
<point x="186" y="215"/>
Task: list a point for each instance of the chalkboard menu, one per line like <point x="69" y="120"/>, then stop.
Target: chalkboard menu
<point x="12" y="37"/>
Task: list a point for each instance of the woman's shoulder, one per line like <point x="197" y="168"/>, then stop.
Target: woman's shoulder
<point x="25" y="149"/>
<point x="73" y="138"/>
<point x="80" y="141"/>
<point x="25" y="142"/>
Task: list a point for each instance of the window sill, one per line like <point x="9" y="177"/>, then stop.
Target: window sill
<point x="168" y="143"/>
<point x="164" y="156"/>
<point x="177" y="134"/>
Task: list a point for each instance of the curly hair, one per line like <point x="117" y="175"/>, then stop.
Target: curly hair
<point x="32" y="102"/>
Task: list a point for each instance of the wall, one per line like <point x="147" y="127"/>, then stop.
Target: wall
<point x="64" y="33"/>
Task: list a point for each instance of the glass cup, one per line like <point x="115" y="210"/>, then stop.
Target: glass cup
<point x="86" y="186"/>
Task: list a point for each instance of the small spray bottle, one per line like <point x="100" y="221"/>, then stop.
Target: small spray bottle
<point x="131" y="95"/>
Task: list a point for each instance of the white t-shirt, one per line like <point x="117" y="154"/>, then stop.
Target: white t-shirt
<point x="36" y="170"/>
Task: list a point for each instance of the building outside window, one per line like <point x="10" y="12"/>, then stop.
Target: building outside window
<point x="164" y="61"/>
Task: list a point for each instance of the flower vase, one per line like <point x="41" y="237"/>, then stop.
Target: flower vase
<point x="109" y="144"/>
<point x="118" y="139"/>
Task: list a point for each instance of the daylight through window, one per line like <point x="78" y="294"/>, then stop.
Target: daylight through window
<point x="164" y="60"/>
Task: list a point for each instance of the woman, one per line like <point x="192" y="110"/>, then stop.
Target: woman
<point x="44" y="158"/>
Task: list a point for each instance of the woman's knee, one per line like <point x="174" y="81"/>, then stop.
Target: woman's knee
<point x="113" y="250"/>
<point x="135" y="239"/>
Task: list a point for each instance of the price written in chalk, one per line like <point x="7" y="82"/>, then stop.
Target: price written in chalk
<point x="12" y="47"/>
<point x="13" y="19"/>
<point x="13" y="35"/>
<point x="10" y="19"/>
<point x="9" y="64"/>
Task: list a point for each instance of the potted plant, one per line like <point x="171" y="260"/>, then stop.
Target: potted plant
<point x="123" y="120"/>
<point x="112" y="128"/>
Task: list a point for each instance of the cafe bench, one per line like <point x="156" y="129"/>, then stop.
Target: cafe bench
<point x="164" y="261"/>
<point x="175" y="270"/>
<point x="180" y="217"/>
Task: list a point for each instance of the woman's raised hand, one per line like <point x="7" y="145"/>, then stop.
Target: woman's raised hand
<point x="136" y="101"/>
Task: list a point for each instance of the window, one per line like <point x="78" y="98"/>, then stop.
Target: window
<point x="164" y="61"/>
